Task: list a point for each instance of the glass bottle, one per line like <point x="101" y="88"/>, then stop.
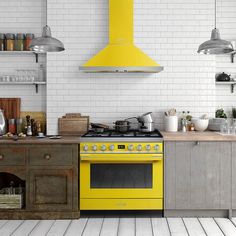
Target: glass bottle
<point x="28" y="40"/>
<point x="2" y="123"/>
<point x="9" y="42"/>
<point x="20" y="42"/>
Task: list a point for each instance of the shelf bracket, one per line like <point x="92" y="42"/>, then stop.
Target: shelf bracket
<point x="36" y="57"/>
<point x="36" y="88"/>
<point x="232" y="88"/>
<point x="232" y="57"/>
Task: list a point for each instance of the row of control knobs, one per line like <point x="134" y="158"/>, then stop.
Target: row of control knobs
<point x="111" y="147"/>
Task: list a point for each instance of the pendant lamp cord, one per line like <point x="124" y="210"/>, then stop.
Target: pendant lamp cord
<point x="215" y="14"/>
<point x="46" y="12"/>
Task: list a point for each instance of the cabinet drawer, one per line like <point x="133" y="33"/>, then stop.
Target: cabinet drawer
<point x="12" y="155"/>
<point x="51" y="155"/>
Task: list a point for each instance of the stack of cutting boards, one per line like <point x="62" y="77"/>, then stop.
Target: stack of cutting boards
<point x="11" y="107"/>
<point x="73" y="124"/>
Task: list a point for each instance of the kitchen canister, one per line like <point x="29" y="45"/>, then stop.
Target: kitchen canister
<point x="171" y="123"/>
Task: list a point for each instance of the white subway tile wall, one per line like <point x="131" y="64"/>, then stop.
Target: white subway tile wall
<point x="170" y="31"/>
<point x="22" y="16"/>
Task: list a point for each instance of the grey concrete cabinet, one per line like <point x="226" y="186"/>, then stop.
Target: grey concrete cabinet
<point x="198" y="175"/>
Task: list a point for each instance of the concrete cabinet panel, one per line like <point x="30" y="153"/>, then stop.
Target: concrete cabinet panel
<point x="198" y="175"/>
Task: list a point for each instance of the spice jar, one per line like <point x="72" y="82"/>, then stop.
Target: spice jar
<point x="2" y="42"/>
<point x="11" y="126"/>
<point x="20" y="42"/>
<point x="28" y="40"/>
<point x="10" y="39"/>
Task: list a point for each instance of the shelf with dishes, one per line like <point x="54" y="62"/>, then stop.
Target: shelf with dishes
<point x="22" y="53"/>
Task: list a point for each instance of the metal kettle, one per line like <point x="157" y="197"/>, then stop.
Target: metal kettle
<point x="223" y="77"/>
<point x="2" y="123"/>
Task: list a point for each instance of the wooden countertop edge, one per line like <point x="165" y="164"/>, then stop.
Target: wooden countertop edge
<point x="197" y="136"/>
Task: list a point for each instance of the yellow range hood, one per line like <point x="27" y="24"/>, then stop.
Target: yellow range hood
<point x="121" y="55"/>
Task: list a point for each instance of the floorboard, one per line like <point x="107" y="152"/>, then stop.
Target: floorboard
<point x="127" y="227"/>
<point x="10" y="227"/>
<point x="194" y="227"/>
<point x="25" y="228"/>
<point x="93" y="227"/>
<point x="76" y="227"/>
<point x="110" y="227"/>
<point x="226" y="226"/>
<point x="143" y="227"/>
<point x="177" y="227"/>
<point x="42" y="228"/>
<point x="210" y="227"/>
<point x="59" y="228"/>
<point x="160" y="227"/>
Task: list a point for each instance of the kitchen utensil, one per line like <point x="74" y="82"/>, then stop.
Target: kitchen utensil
<point x="99" y="128"/>
<point x="200" y="124"/>
<point x="122" y="126"/>
<point x="2" y="123"/>
<point x="147" y="127"/>
<point x="223" y="77"/>
<point x="73" y="126"/>
<point x="146" y="118"/>
<point x="11" y="107"/>
<point x="171" y="123"/>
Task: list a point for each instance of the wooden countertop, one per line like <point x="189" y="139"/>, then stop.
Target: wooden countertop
<point x="197" y="136"/>
<point x="47" y="140"/>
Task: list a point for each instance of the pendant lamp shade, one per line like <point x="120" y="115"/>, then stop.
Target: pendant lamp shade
<point x="215" y="45"/>
<point x="46" y="43"/>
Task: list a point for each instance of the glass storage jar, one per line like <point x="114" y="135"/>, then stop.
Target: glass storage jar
<point x="10" y="40"/>
<point x="28" y="40"/>
<point x="2" y="42"/>
<point x="20" y="42"/>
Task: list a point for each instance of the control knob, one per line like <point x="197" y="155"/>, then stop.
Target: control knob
<point x="86" y="147"/>
<point x="130" y="147"/>
<point x="139" y="147"/>
<point x="112" y="147"/>
<point x="103" y="147"/>
<point x="94" y="148"/>
<point x="156" y="147"/>
<point x="148" y="147"/>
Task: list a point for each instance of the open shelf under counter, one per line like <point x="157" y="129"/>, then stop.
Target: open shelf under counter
<point x="231" y="83"/>
<point x="22" y="53"/>
<point x="35" y="83"/>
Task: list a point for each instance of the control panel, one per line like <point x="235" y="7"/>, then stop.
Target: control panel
<point x="155" y="147"/>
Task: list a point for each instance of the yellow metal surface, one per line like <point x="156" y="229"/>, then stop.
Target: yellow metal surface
<point x="120" y="52"/>
<point x="121" y="204"/>
<point x="155" y="192"/>
<point x="116" y="149"/>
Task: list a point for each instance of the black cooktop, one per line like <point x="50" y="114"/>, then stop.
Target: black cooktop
<point x="133" y="133"/>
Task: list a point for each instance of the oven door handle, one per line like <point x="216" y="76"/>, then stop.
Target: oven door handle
<point x="121" y="160"/>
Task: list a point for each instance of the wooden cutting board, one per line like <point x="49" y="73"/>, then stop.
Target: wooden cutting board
<point x="11" y="107"/>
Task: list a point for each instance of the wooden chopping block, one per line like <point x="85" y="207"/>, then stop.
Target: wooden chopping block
<point x="11" y="107"/>
<point x="73" y="126"/>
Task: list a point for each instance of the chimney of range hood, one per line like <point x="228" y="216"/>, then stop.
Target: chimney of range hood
<point x="121" y="55"/>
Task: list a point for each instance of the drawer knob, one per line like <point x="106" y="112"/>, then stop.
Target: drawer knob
<point x="47" y="156"/>
<point x="1" y="157"/>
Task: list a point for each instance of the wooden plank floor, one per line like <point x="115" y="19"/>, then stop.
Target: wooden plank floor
<point x="120" y="226"/>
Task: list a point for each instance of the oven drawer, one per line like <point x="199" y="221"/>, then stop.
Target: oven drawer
<point x="121" y="204"/>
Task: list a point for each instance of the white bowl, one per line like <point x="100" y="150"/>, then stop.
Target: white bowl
<point x="200" y="124"/>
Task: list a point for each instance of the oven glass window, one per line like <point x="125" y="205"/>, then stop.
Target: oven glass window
<point x="121" y="176"/>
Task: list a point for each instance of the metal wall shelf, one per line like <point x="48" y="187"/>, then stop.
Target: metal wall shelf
<point x="35" y="83"/>
<point x="22" y="53"/>
<point x="231" y="83"/>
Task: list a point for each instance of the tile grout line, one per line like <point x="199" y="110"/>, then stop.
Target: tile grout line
<point x="202" y="226"/>
<point x="219" y="227"/>
<point x="67" y="227"/>
<point x="36" y="225"/>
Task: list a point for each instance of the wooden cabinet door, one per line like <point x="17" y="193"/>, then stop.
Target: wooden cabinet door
<point x="51" y="189"/>
<point x="197" y="175"/>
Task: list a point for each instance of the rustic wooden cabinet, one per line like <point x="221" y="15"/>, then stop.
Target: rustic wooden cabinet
<point x="50" y="172"/>
<point x="198" y="175"/>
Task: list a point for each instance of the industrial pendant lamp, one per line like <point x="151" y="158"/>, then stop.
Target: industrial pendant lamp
<point x="215" y="45"/>
<point x="46" y="43"/>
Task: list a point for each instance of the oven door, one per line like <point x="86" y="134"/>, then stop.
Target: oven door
<point x="129" y="176"/>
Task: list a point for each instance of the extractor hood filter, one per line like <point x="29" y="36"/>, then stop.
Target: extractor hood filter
<point x="121" y="55"/>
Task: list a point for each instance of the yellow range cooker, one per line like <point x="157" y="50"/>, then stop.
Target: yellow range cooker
<point x="121" y="171"/>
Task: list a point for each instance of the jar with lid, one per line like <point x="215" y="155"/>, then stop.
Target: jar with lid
<point x="20" y="42"/>
<point x="10" y="40"/>
<point x="28" y="40"/>
<point x="2" y="42"/>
